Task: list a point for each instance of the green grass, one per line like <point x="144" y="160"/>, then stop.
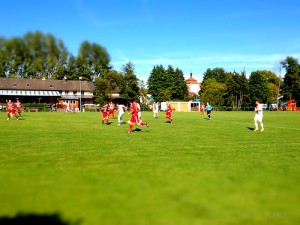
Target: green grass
<point x="193" y="171"/>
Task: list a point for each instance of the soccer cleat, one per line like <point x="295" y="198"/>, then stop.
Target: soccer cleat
<point x="147" y="125"/>
<point x="262" y="129"/>
<point x="256" y="130"/>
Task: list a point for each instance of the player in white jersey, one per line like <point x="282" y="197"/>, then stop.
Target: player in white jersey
<point x="258" y="118"/>
<point x="121" y="109"/>
<point x="155" y="110"/>
<point x="139" y="110"/>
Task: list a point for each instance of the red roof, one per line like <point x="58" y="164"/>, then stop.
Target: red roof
<point x="191" y="80"/>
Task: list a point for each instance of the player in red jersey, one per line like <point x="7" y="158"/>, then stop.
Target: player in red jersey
<point x="169" y="112"/>
<point x="18" y="107"/>
<point x="111" y="107"/>
<point x="11" y="110"/>
<point x="135" y="116"/>
<point x="104" y="110"/>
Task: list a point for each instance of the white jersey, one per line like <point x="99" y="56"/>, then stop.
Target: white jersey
<point x="121" y="109"/>
<point x="259" y="109"/>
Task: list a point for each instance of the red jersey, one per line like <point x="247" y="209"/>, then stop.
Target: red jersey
<point x="169" y="108"/>
<point x="18" y="105"/>
<point x="111" y="106"/>
<point x="104" y="108"/>
<point x="135" y="117"/>
<point x="10" y="105"/>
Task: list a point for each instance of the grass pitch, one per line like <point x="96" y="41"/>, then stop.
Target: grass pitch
<point x="71" y="169"/>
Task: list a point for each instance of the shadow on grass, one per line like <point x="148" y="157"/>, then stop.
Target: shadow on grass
<point x="139" y="130"/>
<point x="250" y="128"/>
<point x="35" y="219"/>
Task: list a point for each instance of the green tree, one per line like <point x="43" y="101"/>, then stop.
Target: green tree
<point x="258" y="87"/>
<point x="94" y="59"/>
<point x="175" y="84"/>
<point x="291" y="80"/>
<point x="237" y="88"/>
<point x="157" y="84"/>
<point x="129" y="88"/>
<point x="213" y="92"/>
<point x="106" y="85"/>
<point x="218" y="74"/>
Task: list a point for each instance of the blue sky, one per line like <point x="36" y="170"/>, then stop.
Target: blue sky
<point x="192" y="35"/>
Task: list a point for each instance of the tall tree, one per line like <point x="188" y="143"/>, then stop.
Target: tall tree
<point x="175" y="83"/>
<point x="218" y="74"/>
<point x="157" y="84"/>
<point x="106" y="85"/>
<point x="291" y="81"/>
<point x="129" y="87"/>
<point x="258" y="87"/>
<point x="237" y="88"/>
<point x="94" y="59"/>
<point x="213" y="92"/>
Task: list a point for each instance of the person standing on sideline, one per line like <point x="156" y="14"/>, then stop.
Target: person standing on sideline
<point x="155" y="110"/>
<point x="134" y="116"/>
<point x="169" y="112"/>
<point x="121" y="109"/>
<point x="208" y="110"/>
<point x="111" y="107"/>
<point x="104" y="110"/>
<point x="258" y="116"/>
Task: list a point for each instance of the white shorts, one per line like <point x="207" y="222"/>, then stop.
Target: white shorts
<point x="258" y="118"/>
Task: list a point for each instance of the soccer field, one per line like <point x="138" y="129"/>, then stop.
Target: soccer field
<point x="71" y="169"/>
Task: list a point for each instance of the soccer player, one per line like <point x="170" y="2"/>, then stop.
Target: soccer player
<point x="169" y="112"/>
<point x="18" y="107"/>
<point x="121" y="109"/>
<point x="155" y="110"/>
<point x="104" y="110"/>
<point x="111" y="107"/>
<point x="258" y="116"/>
<point x="135" y="117"/>
<point x="208" y="110"/>
<point x="139" y="111"/>
<point x="202" y="109"/>
<point x="11" y="110"/>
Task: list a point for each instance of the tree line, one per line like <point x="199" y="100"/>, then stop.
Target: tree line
<point x="37" y="55"/>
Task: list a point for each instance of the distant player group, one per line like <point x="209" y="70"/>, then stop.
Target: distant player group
<point x="14" y="110"/>
<point x="135" y="113"/>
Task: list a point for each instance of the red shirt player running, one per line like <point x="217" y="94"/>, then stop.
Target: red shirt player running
<point x="18" y="107"/>
<point x="11" y="110"/>
<point x="111" y="107"/>
<point x="104" y="110"/>
<point x="135" y="117"/>
<point x="169" y="112"/>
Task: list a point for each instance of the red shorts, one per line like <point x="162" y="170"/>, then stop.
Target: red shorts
<point x="111" y="111"/>
<point x="168" y="114"/>
<point x="104" y="115"/>
<point x="134" y="119"/>
<point x="11" y="111"/>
